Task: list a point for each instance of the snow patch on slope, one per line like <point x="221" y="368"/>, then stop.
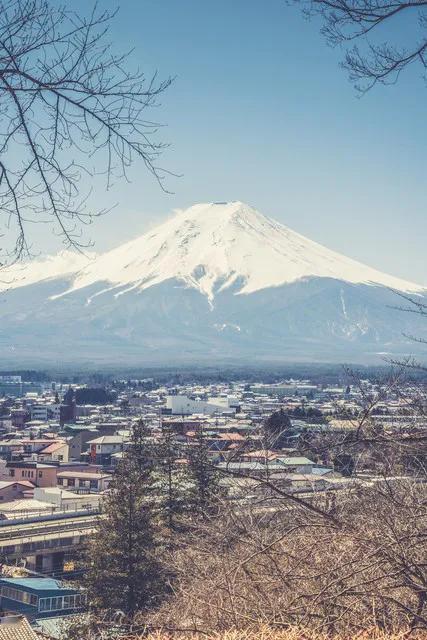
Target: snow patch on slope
<point x="63" y="264"/>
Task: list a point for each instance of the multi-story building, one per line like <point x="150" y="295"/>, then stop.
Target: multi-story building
<point x="183" y="405"/>
<point x="39" y="597"/>
<point x="102" y="448"/>
<point x="45" y="411"/>
<point x="56" y="451"/>
<point x="41" y="475"/>
<point x="83" y="481"/>
<point x="78" y="435"/>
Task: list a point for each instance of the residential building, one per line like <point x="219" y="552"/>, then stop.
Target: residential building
<point x="10" y="490"/>
<point x="295" y="464"/>
<point x="56" y="451"/>
<point x="10" y="449"/>
<point x="77" y="438"/>
<point x="39" y="597"/>
<point x="45" y="412"/>
<point x="40" y="474"/>
<point x="19" y="416"/>
<point x="34" y="445"/>
<point x="84" y="482"/>
<point x="102" y="448"/>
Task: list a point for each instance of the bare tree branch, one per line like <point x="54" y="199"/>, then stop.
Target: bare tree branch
<point x="372" y="59"/>
<point x="68" y="104"/>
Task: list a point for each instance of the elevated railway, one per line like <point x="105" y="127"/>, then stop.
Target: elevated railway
<point x="43" y="543"/>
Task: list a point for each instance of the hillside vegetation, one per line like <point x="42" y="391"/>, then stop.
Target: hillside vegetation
<point x="288" y="634"/>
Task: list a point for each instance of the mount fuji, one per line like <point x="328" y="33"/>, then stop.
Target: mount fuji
<point x="218" y="282"/>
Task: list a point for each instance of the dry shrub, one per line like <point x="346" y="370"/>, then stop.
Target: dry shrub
<point x="266" y="633"/>
<point x="361" y="566"/>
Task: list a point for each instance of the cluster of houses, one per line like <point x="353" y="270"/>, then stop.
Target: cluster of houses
<point x="60" y="446"/>
<point x="52" y="445"/>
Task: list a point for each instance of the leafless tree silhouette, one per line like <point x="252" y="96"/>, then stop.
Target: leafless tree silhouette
<point x="383" y="37"/>
<point x="69" y="106"/>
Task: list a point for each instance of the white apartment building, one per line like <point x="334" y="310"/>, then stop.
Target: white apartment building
<point x="183" y="405"/>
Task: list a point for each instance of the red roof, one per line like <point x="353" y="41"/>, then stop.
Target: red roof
<point x="236" y="437"/>
<point x="25" y="483"/>
<point x="55" y="446"/>
<point x="261" y="453"/>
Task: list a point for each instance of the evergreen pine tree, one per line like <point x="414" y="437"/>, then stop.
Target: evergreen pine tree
<point x="125" y="572"/>
<point x="68" y="407"/>
<point x="171" y="481"/>
<point x="276" y="428"/>
<point x="203" y="476"/>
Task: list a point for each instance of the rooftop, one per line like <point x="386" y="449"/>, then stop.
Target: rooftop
<point x="298" y="460"/>
<point x="107" y="440"/>
<point x="29" y="504"/>
<point x="35" y="584"/>
<point x="15" y="627"/>
<point x="55" y="446"/>
<point x="82" y="474"/>
<point x="24" y="483"/>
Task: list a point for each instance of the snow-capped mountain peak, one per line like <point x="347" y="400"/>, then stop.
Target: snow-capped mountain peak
<point x="212" y="246"/>
<point x="217" y="281"/>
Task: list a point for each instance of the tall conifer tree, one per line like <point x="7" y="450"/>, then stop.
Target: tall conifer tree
<point x="125" y="572"/>
<point x="171" y="481"/>
<point x="203" y="476"/>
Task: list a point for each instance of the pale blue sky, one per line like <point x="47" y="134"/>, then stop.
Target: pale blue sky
<point x="261" y="112"/>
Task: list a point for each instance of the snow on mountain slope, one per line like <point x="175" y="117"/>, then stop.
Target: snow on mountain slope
<point x="64" y="263"/>
<point x="211" y="246"/>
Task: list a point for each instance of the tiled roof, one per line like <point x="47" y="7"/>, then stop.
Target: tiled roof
<point x="231" y="436"/>
<point x="7" y="483"/>
<point x="55" y="446"/>
<point x="107" y="440"/>
<point x="83" y="474"/>
<point x="19" y="630"/>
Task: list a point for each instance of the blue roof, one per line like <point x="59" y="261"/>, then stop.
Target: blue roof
<point x="321" y="471"/>
<point x="241" y="466"/>
<point x="290" y="460"/>
<point x="53" y="627"/>
<point x="38" y="584"/>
